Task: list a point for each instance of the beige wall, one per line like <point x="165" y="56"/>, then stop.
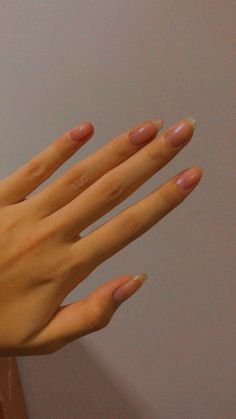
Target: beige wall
<point x="169" y="352"/>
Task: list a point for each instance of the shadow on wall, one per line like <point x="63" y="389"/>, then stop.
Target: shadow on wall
<point x="70" y="384"/>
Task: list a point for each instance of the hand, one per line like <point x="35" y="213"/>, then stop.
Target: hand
<point x="42" y="256"/>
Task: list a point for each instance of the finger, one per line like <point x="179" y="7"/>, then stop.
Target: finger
<point x="119" y="183"/>
<point x="82" y="317"/>
<point x="20" y="183"/>
<point x="108" y="239"/>
<point x="84" y="173"/>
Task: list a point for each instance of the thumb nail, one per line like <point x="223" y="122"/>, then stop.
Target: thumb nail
<point x="130" y="287"/>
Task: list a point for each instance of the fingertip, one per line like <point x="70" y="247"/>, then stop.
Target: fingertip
<point x="91" y="127"/>
<point x="82" y="132"/>
<point x="201" y="169"/>
<point x="189" y="178"/>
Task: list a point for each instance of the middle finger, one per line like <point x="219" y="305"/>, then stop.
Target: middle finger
<point x="117" y="184"/>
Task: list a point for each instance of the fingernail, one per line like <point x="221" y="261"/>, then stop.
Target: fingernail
<point x="81" y="132"/>
<point x="193" y="121"/>
<point x="181" y="132"/>
<point x="140" y="277"/>
<point x="129" y="288"/>
<point x="145" y="131"/>
<point x="189" y="177"/>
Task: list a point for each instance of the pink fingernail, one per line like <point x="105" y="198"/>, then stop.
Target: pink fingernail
<point x="189" y="177"/>
<point x="127" y="289"/>
<point x="181" y="132"/>
<point x="145" y="131"/>
<point x="81" y="132"/>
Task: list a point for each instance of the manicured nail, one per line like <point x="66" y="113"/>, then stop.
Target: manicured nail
<point x="81" y="132"/>
<point x="145" y="131"/>
<point x="189" y="177"/>
<point x="181" y="132"/>
<point x="140" y="277"/>
<point x="193" y="121"/>
<point x="129" y="288"/>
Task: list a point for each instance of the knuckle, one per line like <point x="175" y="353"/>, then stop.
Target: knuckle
<point x="156" y="154"/>
<point x="119" y="150"/>
<point x="35" y="169"/>
<point x="167" y="197"/>
<point x="78" y="182"/>
<point x="111" y="188"/>
<point x="130" y="224"/>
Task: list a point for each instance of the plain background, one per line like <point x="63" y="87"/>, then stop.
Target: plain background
<point x="169" y="351"/>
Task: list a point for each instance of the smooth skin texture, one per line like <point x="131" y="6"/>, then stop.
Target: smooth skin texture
<point x="42" y="255"/>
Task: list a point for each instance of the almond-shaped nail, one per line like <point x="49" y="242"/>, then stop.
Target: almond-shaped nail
<point x="82" y="132"/>
<point x="125" y="291"/>
<point x="189" y="177"/>
<point x="181" y="132"/>
<point x="145" y="131"/>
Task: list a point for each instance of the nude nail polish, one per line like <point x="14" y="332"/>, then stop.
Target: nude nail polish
<point x="189" y="177"/>
<point x="181" y="132"/>
<point x="145" y="131"/>
<point x="81" y="132"/>
<point x="129" y="288"/>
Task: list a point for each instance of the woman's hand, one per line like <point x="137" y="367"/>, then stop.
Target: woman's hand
<point x="42" y="256"/>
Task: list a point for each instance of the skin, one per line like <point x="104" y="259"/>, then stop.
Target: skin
<point x="42" y="255"/>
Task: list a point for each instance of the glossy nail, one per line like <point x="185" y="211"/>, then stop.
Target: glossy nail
<point x="189" y="177"/>
<point x="145" y="131"/>
<point x="181" y="132"/>
<point x="81" y="132"/>
<point x="129" y="288"/>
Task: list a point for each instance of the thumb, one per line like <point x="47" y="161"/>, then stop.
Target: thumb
<point x="105" y="300"/>
<point x="82" y="317"/>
